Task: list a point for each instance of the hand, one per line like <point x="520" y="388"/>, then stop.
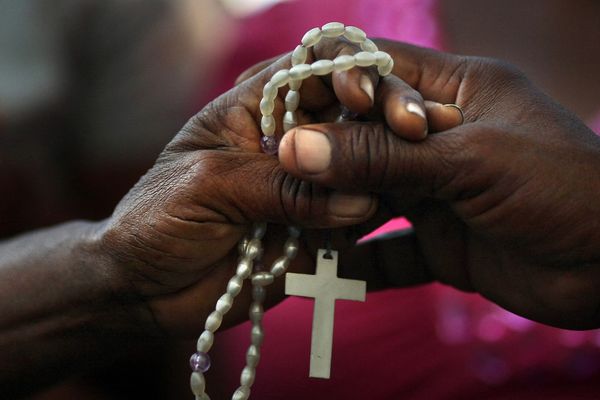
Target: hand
<point x="504" y="205"/>
<point x="174" y="235"/>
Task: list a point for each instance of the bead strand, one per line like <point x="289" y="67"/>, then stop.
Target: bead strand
<point x="293" y="77"/>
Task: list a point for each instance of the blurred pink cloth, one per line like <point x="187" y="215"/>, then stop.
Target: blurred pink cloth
<point x="429" y="342"/>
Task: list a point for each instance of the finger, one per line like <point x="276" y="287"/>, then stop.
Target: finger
<point x="366" y="156"/>
<point x="263" y="191"/>
<point x="441" y="117"/>
<point x="437" y="76"/>
<point x="403" y="108"/>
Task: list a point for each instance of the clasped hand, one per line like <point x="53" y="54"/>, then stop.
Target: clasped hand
<point x="503" y="204"/>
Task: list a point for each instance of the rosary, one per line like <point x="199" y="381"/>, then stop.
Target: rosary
<point x="325" y="287"/>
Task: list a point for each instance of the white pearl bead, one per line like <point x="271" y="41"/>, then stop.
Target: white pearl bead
<point x="386" y="69"/>
<point x="262" y="279"/>
<point x="205" y="342"/>
<point x="311" y="37"/>
<point x="289" y="120"/>
<point x="213" y="322"/>
<point x="355" y="34"/>
<point x="343" y="63"/>
<point x="266" y="106"/>
<point x="332" y="29"/>
<point x="257" y="335"/>
<point x="270" y="91"/>
<point x="197" y="383"/>
<point x="291" y="247"/>
<point x="267" y="125"/>
<point x="247" y="376"/>
<point x="364" y="59"/>
<point x="382" y="58"/>
<point x="234" y="286"/>
<point x="256" y="312"/>
<point x="254" y="247"/>
<point x="242" y="393"/>
<point x="260" y="228"/>
<point x="280" y="266"/>
<point x="299" y="55"/>
<point x="295" y="85"/>
<point x="224" y="303"/>
<point x="242" y="245"/>
<point x="322" y="67"/>
<point x="300" y="72"/>
<point x="292" y="100"/>
<point x="244" y="268"/>
<point x="294" y="231"/>
<point x="280" y="78"/>
<point x="252" y="356"/>
<point x="258" y="293"/>
<point x="369" y="45"/>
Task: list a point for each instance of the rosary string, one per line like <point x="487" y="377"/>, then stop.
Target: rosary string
<point x="250" y="248"/>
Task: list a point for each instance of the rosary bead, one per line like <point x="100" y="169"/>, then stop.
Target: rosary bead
<point x="224" y="303"/>
<point x="292" y="100"/>
<point x="295" y="85"/>
<point x="322" y="67"/>
<point x="267" y="106"/>
<point x="343" y="63"/>
<point x="267" y="125"/>
<point x="332" y="29"/>
<point x="382" y="58"/>
<point x="369" y="45"/>
<point x="290" y="248"/>
<point x="242" y="246"/>
<point x="252" y="356"/>
<point x="254" y="249"/>
<point x="281" y="78"/>
<point x="355" y="34"/>
<point x="300" y="72"/>
<point x="203" y="397"/>
<point x="200" y="362"/>
<point x="269" y="145"/>
<point x="213" y="322"/>
<point x="289" y="120"/>
<point x="280" y="266"/>
<point x="244" y="268"/>
<point x="234" y="286"/>
<point x="299" y="55"/>
<point x="259" y="229"/>
<point x="364" y="59"/>
<point x="258" y="293"/>
<point x="197" y="383"/>
<point x="270" y="91"/>
<point x="242" y="393"/>
<point x="386" y="69"/>
<point x="256" y="312"/>
<point x="262" y="279"/>
<point x="248" y="375"/>
<point x="205" y="342"/>
<point x="294" y="231"/>
<point x="257" y="335"/>
<point x="311" y="37"/>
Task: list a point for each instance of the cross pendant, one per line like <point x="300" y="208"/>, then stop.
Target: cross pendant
<point x="325" y="287"/>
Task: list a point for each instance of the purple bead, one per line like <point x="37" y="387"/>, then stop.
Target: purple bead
<point x="200" y="362"/>
<point x="269" y="145"/>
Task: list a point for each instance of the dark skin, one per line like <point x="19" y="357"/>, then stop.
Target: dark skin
<point x="479" y="195"/>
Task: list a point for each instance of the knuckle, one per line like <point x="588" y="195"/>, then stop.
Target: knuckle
<point x="297" y="201"/>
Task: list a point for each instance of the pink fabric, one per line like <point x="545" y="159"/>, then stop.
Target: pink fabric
<point x="429" y="342"/>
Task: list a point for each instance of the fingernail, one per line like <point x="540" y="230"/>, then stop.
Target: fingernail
<point x="349" y="205"/>
<point x="414" y="108"/>
<point x="367" y="86"/>
<point x="457" y="107"/>
<point x="313" y="151"/>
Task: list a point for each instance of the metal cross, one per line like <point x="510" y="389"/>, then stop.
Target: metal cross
<point x="326" y="288"/>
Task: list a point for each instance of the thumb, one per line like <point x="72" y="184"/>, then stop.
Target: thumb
<point x="368" y="157"/>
